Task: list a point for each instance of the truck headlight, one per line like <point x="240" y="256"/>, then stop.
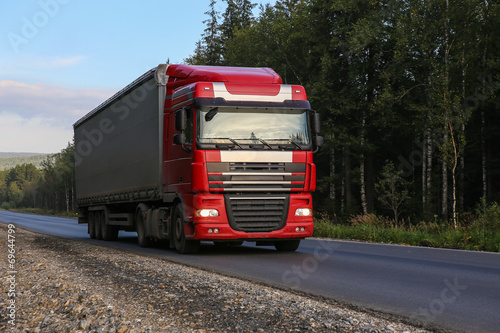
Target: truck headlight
<point x="207" y="213"/>
<point x="303" y="212"/>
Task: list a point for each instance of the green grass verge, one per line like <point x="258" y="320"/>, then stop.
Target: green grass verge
<point x="431" y="235"/>
<point x="39" y="211"/>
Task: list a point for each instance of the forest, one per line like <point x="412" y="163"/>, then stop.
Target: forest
<point x="407" y="91"/>
<point x="50" y="187"/>
<point x="10" y="160"/>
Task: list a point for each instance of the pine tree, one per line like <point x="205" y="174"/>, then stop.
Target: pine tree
<point x="238" y="15"/>
<point x="209" y="49"/>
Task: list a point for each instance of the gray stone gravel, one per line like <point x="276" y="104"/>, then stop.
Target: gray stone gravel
<point x="74" y="286"/>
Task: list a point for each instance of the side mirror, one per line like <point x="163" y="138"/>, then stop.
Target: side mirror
<point x="318" y="141"/>
<point x="180" y="138"/>
<point x="316" y="123"/>
<point x="181" y="120"/>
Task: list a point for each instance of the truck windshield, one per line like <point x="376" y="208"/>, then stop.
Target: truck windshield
<point x="252" y="126"/>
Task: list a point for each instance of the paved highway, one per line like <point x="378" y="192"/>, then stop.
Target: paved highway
<point x="455" y="290"/>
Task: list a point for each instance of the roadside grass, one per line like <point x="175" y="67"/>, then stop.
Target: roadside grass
<point x="482" y="234"/>
<point x="39" y="211"/>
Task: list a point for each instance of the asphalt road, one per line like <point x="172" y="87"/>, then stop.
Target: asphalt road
<point x="451" y="289"/>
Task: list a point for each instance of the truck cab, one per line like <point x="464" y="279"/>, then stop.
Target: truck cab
<point x="241" y="161"/>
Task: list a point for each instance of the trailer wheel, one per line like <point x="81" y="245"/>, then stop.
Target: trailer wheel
<point x="142" y="239"/>
<point x="108" y="232"/>
<point x="182" y="245"/>
<point x="91" y="226"/>
<point x="288" y="245"/>
<point x="97" y="225"/>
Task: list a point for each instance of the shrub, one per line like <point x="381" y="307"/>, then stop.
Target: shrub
<point x="371" y="220"/>
<point x="488" y="215"/>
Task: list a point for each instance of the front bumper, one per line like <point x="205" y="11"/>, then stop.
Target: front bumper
<point x="219" y="228"/>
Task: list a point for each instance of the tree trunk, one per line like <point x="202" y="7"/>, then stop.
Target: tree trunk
<point x="342" y="189"/>
<point x="347" y="185"/>
<point x="66" y="191"/>
<point x="483" y="157"/>
<point x="447" y="47"/>
<point x="429" y="164"/>
<point x="461" y="181"/>
<point x="427" y="169"/>
<point x="453" y="176"/>
<point x="332" y="175"/>
<point x="444" y="188"/>
<point x="483" y="121"/>
<point x="362" y="168"/>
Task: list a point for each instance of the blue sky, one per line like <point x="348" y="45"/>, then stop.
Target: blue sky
<point x="61" y="58"/>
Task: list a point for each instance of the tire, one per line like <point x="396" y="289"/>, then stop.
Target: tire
<point x="108" y="232"/>
<point x="97" y="225"/>
<point x="142" y="239"/>
<point x="182" y="245"/>
<point x="288" y="245"/>
<point x="91" y="227"/>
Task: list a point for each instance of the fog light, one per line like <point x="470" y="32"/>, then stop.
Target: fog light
<point x="303" y="212"/>
<point x="302" y="229"/>
<point x="210" y="230"/>
<point x="297" y="229"/>
<point x="216" y="230"/>
<point x="207" y="213"/>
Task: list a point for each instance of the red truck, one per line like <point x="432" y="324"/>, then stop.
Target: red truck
<point x="198" y="153"/>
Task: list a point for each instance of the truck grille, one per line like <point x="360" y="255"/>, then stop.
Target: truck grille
<point x="252" y="166"/>
<point x="257" y="213"/>
<point x="256" y="176"/>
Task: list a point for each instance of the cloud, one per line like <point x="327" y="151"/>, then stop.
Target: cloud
<point x="57" y="62"/>
<point x="41" y="135"/>
<point x="17" y="66"/>
<point x="39" y="117"/>
<point x="48" y="100"/>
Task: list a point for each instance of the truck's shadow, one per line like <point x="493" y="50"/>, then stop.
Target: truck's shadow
<point x="206" y="248"/>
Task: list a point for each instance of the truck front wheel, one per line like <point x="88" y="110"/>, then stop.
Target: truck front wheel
<point x="288" y="245"/>
<point x="182" y="245"/>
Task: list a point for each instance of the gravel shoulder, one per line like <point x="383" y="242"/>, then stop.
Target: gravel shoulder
<point x="63" y="285"/>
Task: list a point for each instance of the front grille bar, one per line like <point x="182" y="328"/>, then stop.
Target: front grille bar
<point x="257" y="213"/>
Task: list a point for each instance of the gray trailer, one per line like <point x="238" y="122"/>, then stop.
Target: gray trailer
<point x="118" y="155"/>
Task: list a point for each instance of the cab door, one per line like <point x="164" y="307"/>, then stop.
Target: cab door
<point x="180" y="154"/>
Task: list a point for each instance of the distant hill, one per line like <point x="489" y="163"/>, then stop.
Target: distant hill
<point x="10" y="160"/>
<point x="6" y="155"/>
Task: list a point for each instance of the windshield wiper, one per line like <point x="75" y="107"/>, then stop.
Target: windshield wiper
<point x="228" y="139"/>
<point x="234" y="141"/>
<point x="295" y="144"/>
<point x="283" y="145"/>
<point x="265" y="143"/>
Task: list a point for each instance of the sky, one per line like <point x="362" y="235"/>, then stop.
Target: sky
<point x="61" y="58"/>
